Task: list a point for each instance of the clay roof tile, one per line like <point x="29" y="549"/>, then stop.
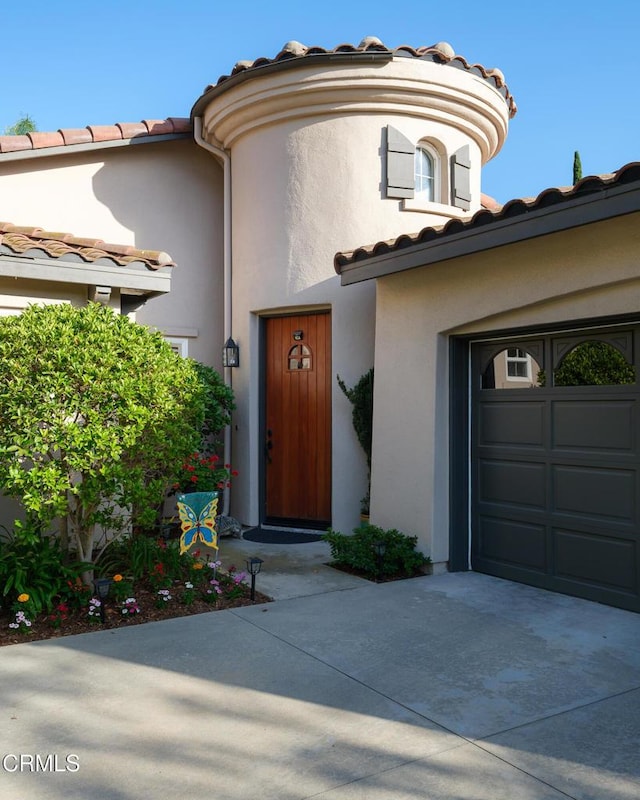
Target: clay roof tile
<point x="104" y="133"/>
<point x="492" y="211"/>
<point x="66" y="137"/>
<point x="22" y="239"/>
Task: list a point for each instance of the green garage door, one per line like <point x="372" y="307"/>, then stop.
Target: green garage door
<point x="556" y="463"/>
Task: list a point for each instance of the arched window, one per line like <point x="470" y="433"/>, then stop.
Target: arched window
<point x="426" y="174"/>
<point x="299" y="357"/>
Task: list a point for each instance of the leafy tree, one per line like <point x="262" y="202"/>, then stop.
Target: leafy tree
<point x="577" y="168"/>
<point x="97" y="414"/>
<point x="594" y="364"/>
<point x="24" y="125"/>
<point x="361" y="398"/>
<point x="218" y="405"/>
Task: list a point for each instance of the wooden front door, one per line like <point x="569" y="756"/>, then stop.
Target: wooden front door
<point x="297" y="428"/>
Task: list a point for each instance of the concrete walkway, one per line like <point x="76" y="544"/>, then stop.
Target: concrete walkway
<point x="455" y="686"/>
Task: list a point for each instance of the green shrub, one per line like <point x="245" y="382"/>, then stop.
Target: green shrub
<point x="38" y="569"/>
<point x="97" y="415"/>
<point x="400" y="559"/>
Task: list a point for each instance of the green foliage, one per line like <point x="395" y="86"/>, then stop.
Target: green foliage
<point x="594" y="364"/>
<point x="577" y="168"/>
<point x="38" y="569"/>
<point x="358" y="552"/>
<point x="137" y="556"/>
<point x="97" y="415"/>
<point x="361" y="398"/>
<point x="23" y="126"/>
<point x="218" y="405"/>
<point x="204" y="473"/>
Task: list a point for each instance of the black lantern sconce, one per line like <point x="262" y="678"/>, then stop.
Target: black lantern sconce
<point x="102" y="586"/>
<point x="230" y="354"/>
<point x="254" y="566"/>
<point x="298" y="336"/>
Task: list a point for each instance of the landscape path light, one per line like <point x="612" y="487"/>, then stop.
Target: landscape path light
<point x="254" y="565"/>
<point x="102" y="586"/>
<point x="380" y="548"/>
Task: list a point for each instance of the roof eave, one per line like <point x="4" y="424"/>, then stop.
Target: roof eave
<point x="135" y="278"/>
<point x="295" y="62"/>
<point x="68" y="149"/>
<point x="582" y="210"/>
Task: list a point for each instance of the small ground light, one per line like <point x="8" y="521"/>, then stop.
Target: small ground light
<point x="102" y="586"/>
<point x="380" y="548"/>
<point x="254" y="566"/>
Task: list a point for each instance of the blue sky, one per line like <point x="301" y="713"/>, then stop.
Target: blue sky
<point x="572" y="65"/>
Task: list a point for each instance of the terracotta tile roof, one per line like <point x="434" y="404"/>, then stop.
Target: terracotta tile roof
<point x="441" y="53"/>
<point x="488" y="214"/>
<point x="30" y="241"/>
<point x="93" y="134"/>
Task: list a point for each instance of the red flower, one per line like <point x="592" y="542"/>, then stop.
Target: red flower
<point x="234" y="473"/>
<point x="227" y="466"/>
<point x="220" y="484"/>
<point x="194" y="478"/>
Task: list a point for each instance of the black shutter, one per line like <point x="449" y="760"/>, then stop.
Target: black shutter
<point x="400" y="164"/>
<point x="460" y="178"/>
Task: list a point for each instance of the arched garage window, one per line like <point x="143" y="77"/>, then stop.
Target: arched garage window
<point x="594" y="363"/>
<point x="512" y="368"/>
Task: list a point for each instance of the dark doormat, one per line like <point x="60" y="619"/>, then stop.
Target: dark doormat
<point x="279" y="536"/>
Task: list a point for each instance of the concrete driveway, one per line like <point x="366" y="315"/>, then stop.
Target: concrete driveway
<point x="455" y="686"/>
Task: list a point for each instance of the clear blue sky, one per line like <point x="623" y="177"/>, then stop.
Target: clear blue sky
<point x="572" y="65"/>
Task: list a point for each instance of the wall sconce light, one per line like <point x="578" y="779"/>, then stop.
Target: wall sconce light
<point x="298" y="336"/>
<point x="101" y="586"/>
<point x="230" y="354"/>
<point x="253" y="568"/>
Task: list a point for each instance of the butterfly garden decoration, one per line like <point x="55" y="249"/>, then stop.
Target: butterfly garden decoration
<point x="197" y="513"/>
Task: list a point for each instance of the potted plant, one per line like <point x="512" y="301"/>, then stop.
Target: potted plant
<point x="361" y="398"/>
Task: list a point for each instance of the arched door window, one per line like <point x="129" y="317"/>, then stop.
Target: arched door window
<point x="300" y="357"/>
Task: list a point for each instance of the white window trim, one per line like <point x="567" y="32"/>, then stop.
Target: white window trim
<point x="437" y="209"/>
<point x="436" y="160"/>
<point x="518" y="360"/>
<point x="179" y="345"/>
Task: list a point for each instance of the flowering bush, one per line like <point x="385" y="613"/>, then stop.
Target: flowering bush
<point x="121" y="588"/>
<point x="130" y="606"/>
<point x="163" y="596"/>
<point x="93" y="611"/>
<point x="21" y="622"/>
<point x="203" y="473"/>
<point x="189" y="593"/>
<point x="76" y="595"/>
<point x="60" y="613"/>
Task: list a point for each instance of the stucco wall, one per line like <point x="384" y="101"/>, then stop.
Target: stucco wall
<point x="308" y="179"/>
<point x="159" y="196"/>
<point x="586" y="273"/>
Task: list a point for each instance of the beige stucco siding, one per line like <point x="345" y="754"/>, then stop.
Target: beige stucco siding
<point x="159" y="196"/>
<point x="308" y="165"/>
<point x="586" y="273"/>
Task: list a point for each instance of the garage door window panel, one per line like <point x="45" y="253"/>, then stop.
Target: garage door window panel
<point x="513" y="367"/>
<point x="594" y="363"/>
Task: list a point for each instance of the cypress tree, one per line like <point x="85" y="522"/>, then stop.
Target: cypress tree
<point x="577" y="168"/>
